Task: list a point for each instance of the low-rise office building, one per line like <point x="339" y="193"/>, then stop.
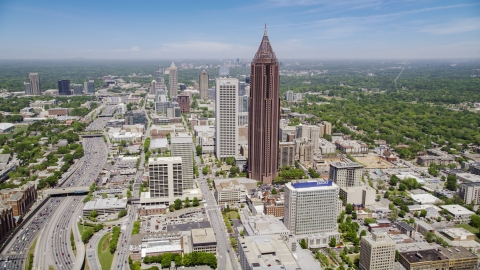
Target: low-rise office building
<point x="460" y="214"/>
<point x="439" y="258"/>
<point x="265" y="251"/>
<point x="233" y="190"/>
<point x="265" y="225"/>
<point x="458" y="234"/>
<point x="204" y="239"/>
<point x="153" y="244"/>
<point x="423" y="227"/>
<point x="104" y="206"/>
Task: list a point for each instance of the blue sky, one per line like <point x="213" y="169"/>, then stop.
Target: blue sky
<point x="311" y="29"/>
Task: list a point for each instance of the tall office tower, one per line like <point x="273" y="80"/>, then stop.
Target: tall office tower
<point x="203" y="84"/>
<point x="77" y="89"/>
<point x="242" y="104"/>
<point x="241" y="89"/>
<point x="327" y="127"/>
<point x="89" y="87"/>
<point x="64" y="87"/>
<point x="226" y="120"/>
<point x="27" y="88"/>
<point x="286" y="154"/>
<point x="34" y="84"/>
<point x="264" y="114"/>
<point x="377" y="252"/>
<point x="310" y="206"/>
<point x="153" y="86"/>
<point x="173" y="81"/>
<point x="224" y="71"/>
<point x="346" y="174"/>
<point x="310" y="132"/>
<point x="182" y="146"/>
<point x="160" y="83"/>
<point x="160" y="70"/>
<point x="165" y="177"/>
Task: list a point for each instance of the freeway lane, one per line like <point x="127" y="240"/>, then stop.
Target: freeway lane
<point x="56" y="251"/>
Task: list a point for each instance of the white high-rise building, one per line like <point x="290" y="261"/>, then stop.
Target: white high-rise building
<point x="377" y="252"/>
<point x="309" y="132"/>
<point x="346" y="174"/>
<point x="153" y="87"/>
<point x="165" y="177"/>
<point x="182" y="146"/>
<point x="203" y="84"/>
<point x="89" y="87"/>
<point x="226" y="120"/>
<point x="34" y="84"/>
<point x="310" y="206"/>
<point x="173" y="81"/>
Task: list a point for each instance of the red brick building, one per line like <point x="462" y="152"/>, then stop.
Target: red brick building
<point x="19" y="199"/>
<point x="184" y="103"/>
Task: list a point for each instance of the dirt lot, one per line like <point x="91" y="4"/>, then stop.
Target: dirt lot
<point x="374" y="162"/>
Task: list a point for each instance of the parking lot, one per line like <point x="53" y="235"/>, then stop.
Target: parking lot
<point x="159" y="223"/>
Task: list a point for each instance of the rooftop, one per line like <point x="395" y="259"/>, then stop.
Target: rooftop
<point x="311" y="184"/>
<point x="456" y="209"/>
<point x="203" y="236"/>
<point x="263" y="225"/>
<point x="423" y="256"/>
<point x="105" y="204"/>
<point x="265" y="250"/>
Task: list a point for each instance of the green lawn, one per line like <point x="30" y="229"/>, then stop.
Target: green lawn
<point x="232" y="215"/>
<point x="104" y="255"/>
<point x="17" y="129"/>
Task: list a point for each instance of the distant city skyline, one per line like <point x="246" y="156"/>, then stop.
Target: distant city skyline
<point x="298" y="29"/>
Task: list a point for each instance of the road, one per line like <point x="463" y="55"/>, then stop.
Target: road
<point x="92" y="255"/>
<point x="224" y="249"/>
<point x="398" y="76"/>
<point x="120" y="260"/>
<point x="55" y="249"/>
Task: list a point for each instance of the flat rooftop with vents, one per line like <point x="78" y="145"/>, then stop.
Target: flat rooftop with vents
<point x="265" y="252"/>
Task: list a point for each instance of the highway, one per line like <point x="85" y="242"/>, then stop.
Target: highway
<point x="16" y="252"/>
<point x="54" y="249"/>
<point x="224" y="249"/>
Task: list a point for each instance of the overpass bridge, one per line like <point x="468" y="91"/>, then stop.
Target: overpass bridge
<point x="68" y="191"/>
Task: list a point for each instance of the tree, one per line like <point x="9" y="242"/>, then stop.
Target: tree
<point x="122" y="213"/>
<point x="104" y="195"/>
<point x="430" y="237"/>
<point x="303" y="244"/>
<point x="369" y="221"/>
<point x="178" y="204"/>
<point x="402" y="214"/>
<point x="354" y="215"/>
<point x="393" y="180"/>
<point x="402" y="187"/>
<point x="93" y="214"/>
<point x="348" y="209"/>
<point x="386" y="195"/>
<point x="187" y="202"/>
<point x="363" y="233"/>
<point x="205" y="170"/>
<point x="274" y="191"/>
<point x="451" y="183"/>
<point x="198" y="149"/>
<point x="230" y="161"/>
<point x="333" y="242"/>
<point x="475" y="221"/>
<point x="416" y="214"/>
<point x="129" y="194"/>
<point x="423" y="213"/>
<point x="195" y="202"/>
<point x="171" y="207"/>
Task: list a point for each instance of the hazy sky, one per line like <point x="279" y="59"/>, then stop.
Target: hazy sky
<point x="322" y="29"/>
